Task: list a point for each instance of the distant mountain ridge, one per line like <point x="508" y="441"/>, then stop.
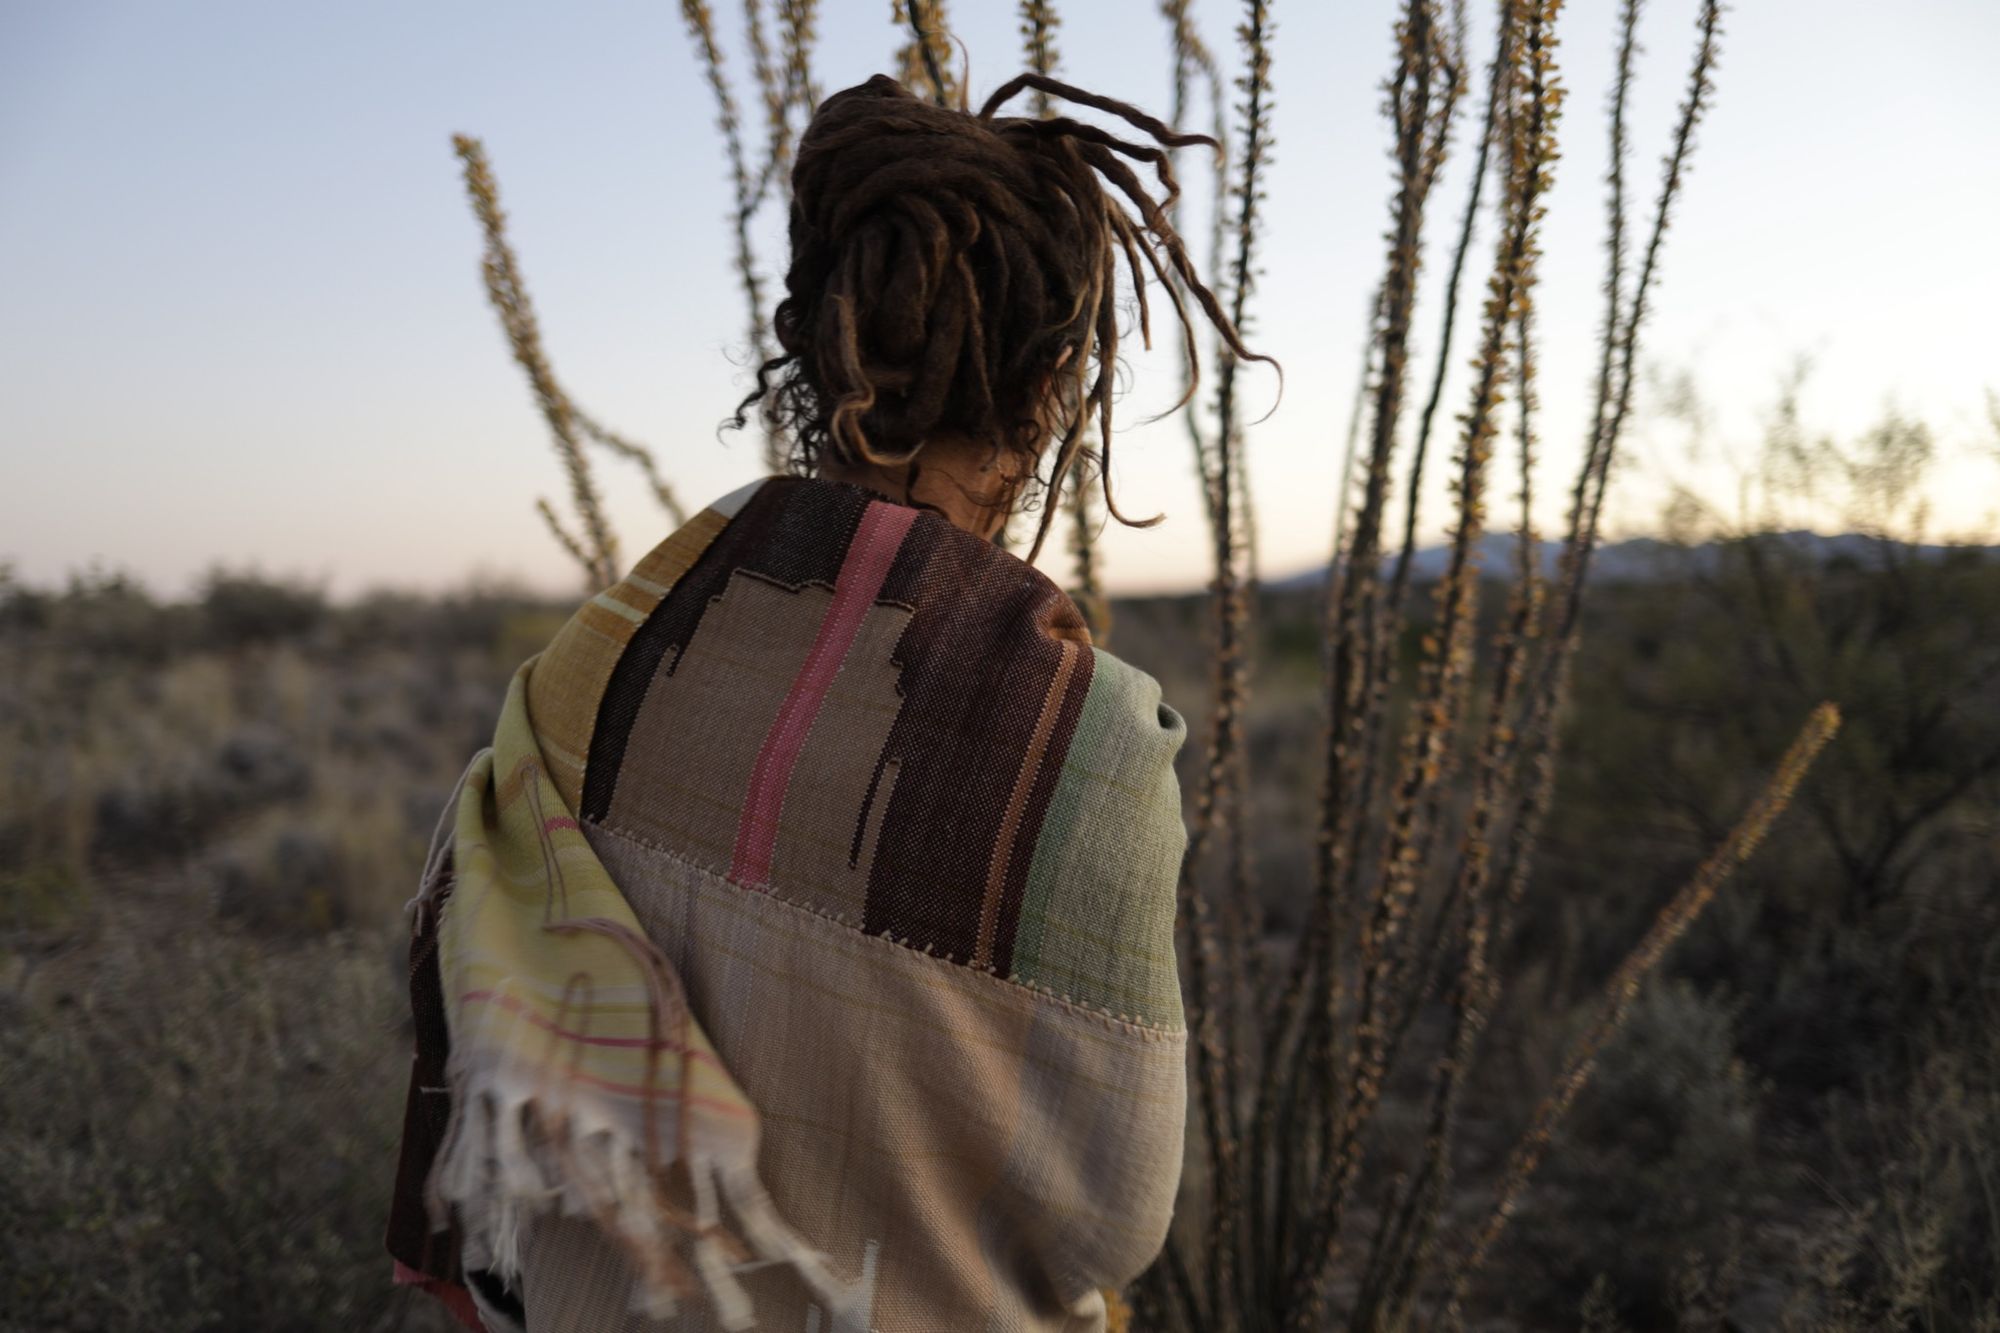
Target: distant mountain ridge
<point x="1635" y="560"/>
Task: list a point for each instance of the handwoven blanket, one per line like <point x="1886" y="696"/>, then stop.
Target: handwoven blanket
<point x="800" y="956"/>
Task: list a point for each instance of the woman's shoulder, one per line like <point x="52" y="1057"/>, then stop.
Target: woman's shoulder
<point x="1138" y="698"/>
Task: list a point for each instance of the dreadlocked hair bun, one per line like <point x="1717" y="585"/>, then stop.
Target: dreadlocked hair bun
<point x="955" y="273"/>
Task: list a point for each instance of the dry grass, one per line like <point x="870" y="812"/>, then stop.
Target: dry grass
<point x="208" y="819"/>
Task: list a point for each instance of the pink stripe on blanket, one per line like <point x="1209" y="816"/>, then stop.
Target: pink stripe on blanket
<point x="554" y="822"/>
<point x="514" y="1005"/>
<point x="654" y="1091"/>
<point x="862" y="573"/>
<point x="454" y="1297"/>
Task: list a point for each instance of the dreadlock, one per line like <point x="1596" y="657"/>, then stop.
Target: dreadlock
<point x="954" y="273"/>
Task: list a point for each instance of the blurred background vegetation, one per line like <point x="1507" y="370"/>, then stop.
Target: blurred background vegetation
<point x="212" y="810"/>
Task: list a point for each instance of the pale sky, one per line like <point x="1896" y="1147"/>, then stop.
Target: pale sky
<point x="241" y="318"/>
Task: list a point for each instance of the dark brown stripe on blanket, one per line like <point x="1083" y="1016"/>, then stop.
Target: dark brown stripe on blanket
<point x="977" y="663"/>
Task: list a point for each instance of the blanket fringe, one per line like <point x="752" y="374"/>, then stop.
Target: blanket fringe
<point x="508" y="1160"/>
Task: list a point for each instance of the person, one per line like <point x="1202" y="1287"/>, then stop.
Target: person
<point x="801" y="953"/>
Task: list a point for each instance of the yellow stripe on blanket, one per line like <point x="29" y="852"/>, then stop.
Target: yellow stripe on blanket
<point x="567" y="1097"/>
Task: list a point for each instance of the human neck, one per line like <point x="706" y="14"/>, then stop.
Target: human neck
<point x="955" y="478"/>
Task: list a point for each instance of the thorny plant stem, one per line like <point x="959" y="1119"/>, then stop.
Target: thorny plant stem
<point x="1364" y="759"/>
<point x="929" y="47"/>
<point x="1281" y="1257"/>
<point x="1532" y="105"/>
<point x="1620" y="342"/>
<point x="1436" y="718"/>
<point x="1420" y="115"/>
<point x="597" y="548"/>
<point x="1038" y="29"/>
<point x="748" y="188"/>
<point x="798" y="24"/>
<point x="1191" y="56"/>
<point x="1423" y="106"/>
<point x="639" y="456"/>
<point x="772" y="90"/>
<point x="1623" y="988"/>
<point x="1393" y="1271"/>
<point x="1344" y="478"/>
<point x="1489" y="917"/>
<point x="1218" y="1061"/>
<point x="1540" y="730"/>
<point x="1413" y="491"/>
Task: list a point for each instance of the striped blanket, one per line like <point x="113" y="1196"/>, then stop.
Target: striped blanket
<point x="800" y="955"/>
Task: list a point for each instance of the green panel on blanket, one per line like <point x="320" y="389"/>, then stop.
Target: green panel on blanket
<point x="1084" y="933"/>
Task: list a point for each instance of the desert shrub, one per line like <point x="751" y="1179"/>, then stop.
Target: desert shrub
<point x="1864" y="922"/>
<point x="21" y="608"/>
<point x="1910" y="1236"/>
<point x="250" y="608"/>
<point x="295" y="881"/>
<point x="344" y="861"/>
<point x="101" y="614"/>
<point x="194" y="1135"/>
<point x="210" y="814"/>
<point x="175" y="806"/>
<point x="40" y="895"/>
<point x="1655" y="1174"/>
<point x="1858" y="951"/>
<point x="505" y="622"/>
